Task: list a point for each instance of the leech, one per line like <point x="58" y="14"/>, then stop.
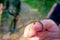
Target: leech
<point x="39" y="22"/>
<point x="35" y="21"/>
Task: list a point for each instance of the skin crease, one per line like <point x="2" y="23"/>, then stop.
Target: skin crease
<point x="34" y="31"/>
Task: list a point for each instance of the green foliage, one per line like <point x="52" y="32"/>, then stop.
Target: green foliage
<point x="43" y="6"/>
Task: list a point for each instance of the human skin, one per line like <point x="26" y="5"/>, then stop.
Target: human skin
<point x="1" y="8"/>
<point x="35" y="31"/>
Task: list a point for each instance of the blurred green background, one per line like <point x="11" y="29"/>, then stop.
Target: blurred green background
<point x="43" y="6"/>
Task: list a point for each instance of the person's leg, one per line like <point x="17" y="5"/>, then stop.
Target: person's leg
<point x="1" y="11"/>
<point x="11" y="27"/>
<point x="16" y="4"/>
<point x="14" y="27"/>
<point x="54" y="13"/>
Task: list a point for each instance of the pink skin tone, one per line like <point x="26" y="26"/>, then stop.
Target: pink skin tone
<point x="34" y="31"/>
<point x="1" y="8"/>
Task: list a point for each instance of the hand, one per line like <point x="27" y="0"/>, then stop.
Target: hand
<point x="34" y="30"/>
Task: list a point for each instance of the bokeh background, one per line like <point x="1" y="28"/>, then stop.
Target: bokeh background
<point x="30" y="10"/>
